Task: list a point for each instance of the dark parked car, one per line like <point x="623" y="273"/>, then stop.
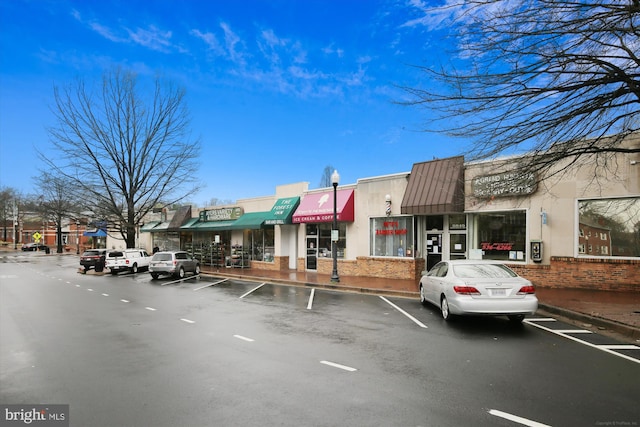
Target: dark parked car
<point x="173" y="264"/>
<point x="93" y="258"/>
<point x="34" y="247"/>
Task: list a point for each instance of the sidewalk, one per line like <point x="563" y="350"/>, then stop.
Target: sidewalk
<point x="612" y="313"/>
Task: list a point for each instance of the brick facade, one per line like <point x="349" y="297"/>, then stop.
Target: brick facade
<point x="388" y="268"/>
<point x="584" y="273"/>
<point x="280" y="263"/>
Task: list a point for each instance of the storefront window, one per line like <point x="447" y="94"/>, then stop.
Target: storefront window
<point x="435" y="222"/>
<point x="261" y="244"/>
<point x="392" y="236"/>
<point x="609" y="227"/>
<point x="324" y="239"/>
<point x="210" y="248"/>
<point x="501" y="235"/>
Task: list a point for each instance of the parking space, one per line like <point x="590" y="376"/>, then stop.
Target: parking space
<point x="367" y="311"/>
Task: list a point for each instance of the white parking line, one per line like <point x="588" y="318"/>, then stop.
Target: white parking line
<point x="416" y="321"/>
<point x="599" y="347"/>
<point x="620" y="347"/>
<point x="90" y="290"/>
<point x="211" y="284"/>
<point x="150" y="308"/>
<point x="339" y="366"/>
<point x="240" y="337"/>
<point x="105" y="295"/>
<point x="313" y="292"/>
<point x="517" y="419"/>
<point x="125" y="300"/>
<point x="188" y="321"/>
<point x="253" y="290"/>
<point x="180" y="280"/>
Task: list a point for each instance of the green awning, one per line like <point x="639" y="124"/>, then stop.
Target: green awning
<point x="149" y="226"/>
<point x="282" y="211"/>
<point x="189" y="223"/>
<point x="207" y="225"/>
<point x="250" y="221"/>
<point x="161" y="226"/>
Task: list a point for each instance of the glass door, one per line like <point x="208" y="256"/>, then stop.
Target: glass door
<point x="433" y="249"/>
<point x="311" y="262"/>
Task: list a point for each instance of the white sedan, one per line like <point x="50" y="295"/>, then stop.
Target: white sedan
<point x="480" y="287"/>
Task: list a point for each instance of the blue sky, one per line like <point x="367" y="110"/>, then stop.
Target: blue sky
<point x="277" y="89"/>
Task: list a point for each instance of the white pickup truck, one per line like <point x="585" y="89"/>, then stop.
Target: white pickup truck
<point x="127" y="260"/>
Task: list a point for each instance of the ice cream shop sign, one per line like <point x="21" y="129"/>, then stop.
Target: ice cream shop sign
<point x="504" y="184"/>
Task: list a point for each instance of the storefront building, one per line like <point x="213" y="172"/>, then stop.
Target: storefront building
<point x="577" y="228"/>
<point x="558" y="231"/>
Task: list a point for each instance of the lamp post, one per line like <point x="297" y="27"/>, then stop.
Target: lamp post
<point x="77" y="237"/>
<point x="335" y="178"/>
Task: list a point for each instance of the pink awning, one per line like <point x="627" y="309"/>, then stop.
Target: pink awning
<point x="318" y="207"/>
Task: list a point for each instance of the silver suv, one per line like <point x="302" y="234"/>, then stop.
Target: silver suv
<point x="173" y="263"/>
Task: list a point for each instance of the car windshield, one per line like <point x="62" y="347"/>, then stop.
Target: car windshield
<point x="161" y="257"/>
<point x="468" y="271"/>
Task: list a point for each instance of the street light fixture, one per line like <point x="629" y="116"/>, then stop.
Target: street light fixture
<point x="335" y="179"/>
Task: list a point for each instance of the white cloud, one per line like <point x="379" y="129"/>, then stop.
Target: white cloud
<point x="233" y="43"/>
<point x="210" y="40"/>
<point x="152" y="38"/>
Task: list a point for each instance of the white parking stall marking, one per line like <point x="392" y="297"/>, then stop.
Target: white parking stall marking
<point x="240" y="337"/>
<point x="211" y="284"/>
<point x="90" y="290"/>
<point x="188" y="321"/>
<point x="416" y="321"/>
<point x="339" y="366"/>
<point x="105" y="295"/>
<point x="516" y="419"/>
<point x="605" y="348"/>
<point x="180" y="280"/>
<point x="254" y="289"/>
<point x="125" y="300"/>
<point x="150" y="308"/>
<point x="77" y="286"/>
<point x="310" y="304"/>
<point x="572" y="331"/>
<point x="620" y="347"/>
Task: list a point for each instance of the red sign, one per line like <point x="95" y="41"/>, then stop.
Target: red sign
<point x="391" y="228"/>
<point x="486" y="246"/>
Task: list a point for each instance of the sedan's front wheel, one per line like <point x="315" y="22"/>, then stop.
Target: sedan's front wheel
<point x="444" y="307"/>
<point x="181" y="273"/>
<point x="423" y="300"/>
<point x="197" y="270"/>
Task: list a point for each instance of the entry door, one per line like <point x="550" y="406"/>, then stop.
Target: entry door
<point x="433" y="249"/>
<point x="312" y="253"/>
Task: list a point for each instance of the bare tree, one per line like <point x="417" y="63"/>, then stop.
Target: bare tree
<point x="325" y="180"/>
<point x="8" y="209"/>
<point x="126" y="152"/>
<point x="57" y="202"/>
<point x="554" y="78"/>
